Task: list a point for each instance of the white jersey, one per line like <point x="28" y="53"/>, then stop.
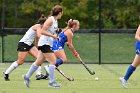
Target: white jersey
<point x="47" y="40"/>
<point x="29" y="37"/>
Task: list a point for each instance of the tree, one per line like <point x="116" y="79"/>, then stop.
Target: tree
<point x="115" y="13"/>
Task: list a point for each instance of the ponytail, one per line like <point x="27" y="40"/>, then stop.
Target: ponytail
<point x="71" y="23"/>
<point x="41" y="20"/>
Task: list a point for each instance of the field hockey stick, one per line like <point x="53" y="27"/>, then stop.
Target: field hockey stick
<point x="68" y="78"/>
<point x="91" y="72"/>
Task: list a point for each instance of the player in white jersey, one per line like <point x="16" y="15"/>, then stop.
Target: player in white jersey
<point x="44" y="46"/>
<point x="26" y="46"/>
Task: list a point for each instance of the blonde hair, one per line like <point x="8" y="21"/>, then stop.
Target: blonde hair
<point x="71" y="23"/>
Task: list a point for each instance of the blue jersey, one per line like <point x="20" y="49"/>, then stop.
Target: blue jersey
<point x="137" y="47"/>
<point x="58" y="45"/>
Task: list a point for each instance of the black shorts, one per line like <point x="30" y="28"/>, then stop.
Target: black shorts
<point x="24" y="47"/>
<point x="45" y="49"/>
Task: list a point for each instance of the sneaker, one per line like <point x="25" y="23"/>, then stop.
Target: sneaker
<point x="38" y="77"/>
<point x="54" y="85"/>
<point x="46" y="76"/>
<point x="123" y="82"/>
<point x="6" y="76"/>
<point x="26" y="81"/>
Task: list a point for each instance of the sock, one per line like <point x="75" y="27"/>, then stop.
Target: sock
<point x="129" y="72"/>
<point x="47" y="70"/>
<point x="38" y="71"/>
<point x="51" y="73"/>
<point x="58" y="62"/>
<point x="13" y="66"/>
<point x="32" y="69"/>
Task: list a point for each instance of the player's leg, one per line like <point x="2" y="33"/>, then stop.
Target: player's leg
<point x="61" y="57"/>
<point x="22" y="54"/>
<point x="34" y="52"/>
<point x="21" y="58"/>
<point x="50" y="57"/>
<point x="130" y="70"/>
<point x="33" y="68"/>
<point x="36" y="64"/>
<point x="132" y="67"/>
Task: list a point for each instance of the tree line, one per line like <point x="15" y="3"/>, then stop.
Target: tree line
<point x="115" y="14"/>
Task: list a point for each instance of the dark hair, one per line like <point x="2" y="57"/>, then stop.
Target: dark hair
<point x="41" y="20"/>
<point x="55" y="10"/>
<point x="58" y="31"/>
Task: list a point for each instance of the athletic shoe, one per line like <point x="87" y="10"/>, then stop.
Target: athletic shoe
<point x="54" y="84"/>
<point x="46" y="76"/>
<point x="6" y="76"/>
<point x="38" y="77"/>
<point x="123" y="82"/>
<point x="26" y="81"/>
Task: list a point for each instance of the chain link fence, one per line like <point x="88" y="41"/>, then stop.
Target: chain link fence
<point x="117" y="46"/>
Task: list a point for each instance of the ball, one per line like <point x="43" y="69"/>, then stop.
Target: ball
<point x="96" y="78"/>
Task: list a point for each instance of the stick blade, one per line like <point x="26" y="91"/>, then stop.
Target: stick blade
<point x="71" y="79"/>
<point x="92" y="73"/>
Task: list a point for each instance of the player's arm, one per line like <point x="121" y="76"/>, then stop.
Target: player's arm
<point x="137" y="35"/>
<point x="37" y="28"/>
<point x="67" y="44"/>
<point x="46" y="25"/>
<point x="70" y="43"/>
<point x="38" y="36"/>
<point x="36" y="41"/>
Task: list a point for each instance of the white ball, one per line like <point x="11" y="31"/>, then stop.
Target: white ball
<point x="96" y="78"/>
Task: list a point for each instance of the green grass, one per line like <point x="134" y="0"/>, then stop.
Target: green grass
<point x="84" y="83"/>
<point x="118" y="47"/>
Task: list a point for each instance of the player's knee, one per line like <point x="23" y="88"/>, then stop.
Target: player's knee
<point x="53" y="63"/>
<point x="20" y="62"/>
<point x="64" y="60"/>
<point x="39" y="61"/>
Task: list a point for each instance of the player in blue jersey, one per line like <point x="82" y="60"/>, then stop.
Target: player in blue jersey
<point x="135" y="63"/>
<point x="65" y="37"/>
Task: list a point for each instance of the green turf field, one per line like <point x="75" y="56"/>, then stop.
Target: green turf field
<point x="84" y="83"/>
